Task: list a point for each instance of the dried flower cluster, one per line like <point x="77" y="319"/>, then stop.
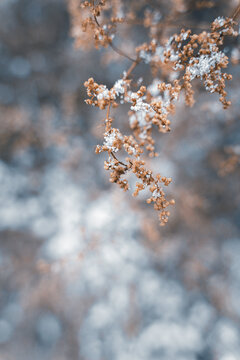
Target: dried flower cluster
<point x="183" y="58"/>
<point x="85" y="25"/>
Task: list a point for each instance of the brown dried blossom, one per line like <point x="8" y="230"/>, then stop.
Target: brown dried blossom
<point x="184" y="58"/>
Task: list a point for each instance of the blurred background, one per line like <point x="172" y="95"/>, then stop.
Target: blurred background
<point x="85" y="270"/>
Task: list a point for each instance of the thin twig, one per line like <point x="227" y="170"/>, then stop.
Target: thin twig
<point x="108" y="110"/>
<point x="120" y="52"/>
<point x="236" y="13"/>
<point x="115" y="48"/>
<point x="113" y="155"/>
<point x="132" y="67"/>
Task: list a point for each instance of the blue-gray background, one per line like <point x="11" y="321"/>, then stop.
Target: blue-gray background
<point x="85" y="271"/>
